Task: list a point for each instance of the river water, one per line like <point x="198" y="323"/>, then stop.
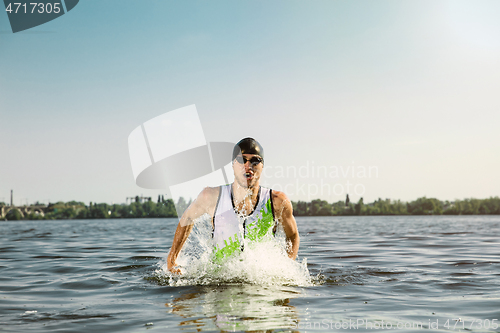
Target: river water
<point x="439" y="273"/>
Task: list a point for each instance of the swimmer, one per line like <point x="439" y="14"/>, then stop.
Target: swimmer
<point x="241" y="210"/>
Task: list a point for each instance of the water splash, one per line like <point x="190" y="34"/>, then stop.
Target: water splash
<point x="261" y="263"/>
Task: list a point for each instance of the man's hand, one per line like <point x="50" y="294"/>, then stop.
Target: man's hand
<point x="174" y="269"/>
<point x="172" y="265"/>
<point x="181" y="235"/>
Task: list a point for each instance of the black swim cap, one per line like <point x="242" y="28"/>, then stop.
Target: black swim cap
<point x="248" y="146"/>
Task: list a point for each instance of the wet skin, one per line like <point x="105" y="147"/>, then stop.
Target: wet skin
<point x="245" y="188"/>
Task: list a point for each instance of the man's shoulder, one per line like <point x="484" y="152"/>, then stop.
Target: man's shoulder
<point x="278" y="195"/>
<point x="207" y="199"/>
<point x="280" y="199"/>
<point x="209" y="193"/>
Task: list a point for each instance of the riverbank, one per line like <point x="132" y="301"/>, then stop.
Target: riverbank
<point x="166" y="208"/>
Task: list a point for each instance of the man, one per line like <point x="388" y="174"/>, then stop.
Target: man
<point x="241" y="210"/>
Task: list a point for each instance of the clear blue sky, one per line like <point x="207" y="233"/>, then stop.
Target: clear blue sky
<point x="410" y="87"/>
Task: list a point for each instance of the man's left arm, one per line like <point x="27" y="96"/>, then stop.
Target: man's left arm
<point x="284" y="213"/>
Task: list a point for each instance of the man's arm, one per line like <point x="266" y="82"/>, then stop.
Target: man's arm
<point x="204" y="204"/>
<point x="283" y="211"/>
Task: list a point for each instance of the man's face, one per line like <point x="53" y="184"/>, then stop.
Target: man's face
<point x="246" y="173"/>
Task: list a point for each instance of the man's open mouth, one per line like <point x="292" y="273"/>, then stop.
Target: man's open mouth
<point x="248" y="175"/>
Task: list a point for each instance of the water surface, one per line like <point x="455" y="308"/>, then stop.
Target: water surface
<point x="106" y="275"/>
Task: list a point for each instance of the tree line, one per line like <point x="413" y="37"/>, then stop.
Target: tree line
<point x="166" y="208"/>
<point x="421" y="206"/>
<point x="78" y="210"/>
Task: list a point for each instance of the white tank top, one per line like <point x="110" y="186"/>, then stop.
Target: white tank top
<point x="230" y="228"/>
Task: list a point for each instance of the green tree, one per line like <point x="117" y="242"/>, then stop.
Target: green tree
<point x="338" y="208"/>
<point x="359" y="207"/>
<point x="425" y="206"/>
<point x="300" y="208"/>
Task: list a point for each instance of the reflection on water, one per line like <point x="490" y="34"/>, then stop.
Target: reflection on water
<point x="239" y="307"/>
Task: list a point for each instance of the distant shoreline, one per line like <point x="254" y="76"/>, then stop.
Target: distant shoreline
<point x="387" y="207"/>
<point x="166" y="208"/>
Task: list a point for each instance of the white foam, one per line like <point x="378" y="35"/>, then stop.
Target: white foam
<point x="262" y="263"/>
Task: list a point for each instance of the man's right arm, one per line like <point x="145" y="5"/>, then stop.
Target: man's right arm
<point x="204" y="204"/>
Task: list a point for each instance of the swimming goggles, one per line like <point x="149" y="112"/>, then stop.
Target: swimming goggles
<point x="255" y="160"/>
